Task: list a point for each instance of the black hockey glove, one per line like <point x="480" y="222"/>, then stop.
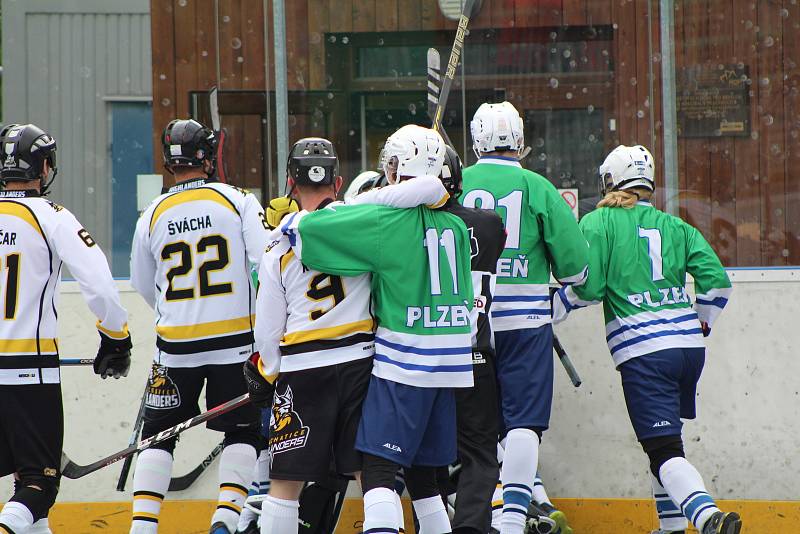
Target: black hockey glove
<point x="113" y="357"/>
<point x="261" y="390"/>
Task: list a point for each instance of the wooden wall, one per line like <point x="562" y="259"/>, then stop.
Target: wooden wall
<point x="753" y="215"/>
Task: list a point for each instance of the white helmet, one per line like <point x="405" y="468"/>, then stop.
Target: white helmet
<point x="626" y="167"/>
<point x="363" y="180"/>
<point x="497" y="127"/>
<point x="413" y="151"/>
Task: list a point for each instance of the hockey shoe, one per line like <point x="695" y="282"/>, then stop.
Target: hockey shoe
<point x="538" y="521"/>
<point x="558" y="516"/>
<point x="723" y="523"/>
<point x="254" y="502"/>
<point x="219" y="528"/>
<point x="252" y="528"/>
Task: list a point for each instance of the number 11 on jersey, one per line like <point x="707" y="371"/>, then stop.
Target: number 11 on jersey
<point x="432" y="243"/>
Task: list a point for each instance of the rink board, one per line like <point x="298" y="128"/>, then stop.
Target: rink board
<point x="595" y="516"/>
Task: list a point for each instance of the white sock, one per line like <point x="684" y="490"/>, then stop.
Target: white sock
<point x="432" y="516"/>
<point x="685" y="486"/>
<point x="401" y="521"/>
<point x="670" y="517"/>
<point x="150" y="484"/>
<point x="539" y="493"/>
<point x="497" y="506"/>
<point x="380" y="511"/>
<point x="259" y="486"/>
<point x="236" y="465"/>
<point x="16" y="517"/>
<point x="42" y="526"/>
<point x="519" y="470"/>
<point x="279" y="516"/>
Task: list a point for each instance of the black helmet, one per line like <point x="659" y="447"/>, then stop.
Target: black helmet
<point x="25" y="149"/>
<point x="313" y="161"/>
<point x="451" y="172"/>
<point x="187" y="143"/>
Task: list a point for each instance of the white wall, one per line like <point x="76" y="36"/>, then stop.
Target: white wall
<point x="745" y="441"/>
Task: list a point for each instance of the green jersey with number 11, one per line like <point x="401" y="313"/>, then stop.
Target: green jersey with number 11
<point x="421" y="283"/>
<point x="638" y="262"/>
<point x="542" y="234"/>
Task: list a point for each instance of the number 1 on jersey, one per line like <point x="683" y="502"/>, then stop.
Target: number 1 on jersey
<point x="653" y="238"/>
<point x="12" y="286"/>
<point x="432" y="243"/>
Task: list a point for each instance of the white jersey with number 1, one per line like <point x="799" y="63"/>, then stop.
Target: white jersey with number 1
<point x="36" y="238"/>
<point x="191" y="259"/>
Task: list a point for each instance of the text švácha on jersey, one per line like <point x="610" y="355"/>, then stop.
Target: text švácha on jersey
<point x="666" y="296"/>
<point x="438" y="316"/>
<point x="186" y="224"/>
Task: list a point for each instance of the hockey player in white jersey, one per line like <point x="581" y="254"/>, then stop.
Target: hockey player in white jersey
<point x="191" y="259"/>
<point x="315" y="333"/>
<point x="36" y="238"/>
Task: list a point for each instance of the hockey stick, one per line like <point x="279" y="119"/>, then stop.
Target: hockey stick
<point x="219" y="133"/>
<point x="182" y="483"/>
<point x="69" y="469"/>
<point x="137" y="428"/>
<point x="434" y="81"/>
<point x="470" y="8"/>
<point x="76" y="361"/>
<point x="566" y="362"/>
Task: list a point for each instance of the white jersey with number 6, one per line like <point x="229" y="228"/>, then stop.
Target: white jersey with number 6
<point x="191" y="259"/>
<point x="36" y="238"/>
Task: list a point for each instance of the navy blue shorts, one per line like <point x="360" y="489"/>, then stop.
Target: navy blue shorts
<point x="660" y="389"/>
<point x="525" y="377"/>
<point x="408" y="425"/>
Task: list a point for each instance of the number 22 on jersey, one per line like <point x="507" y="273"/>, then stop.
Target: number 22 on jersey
<point x="184" y="264"/>
<point x="512" y="203"/>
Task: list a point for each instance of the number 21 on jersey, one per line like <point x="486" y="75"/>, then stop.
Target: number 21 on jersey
<point x="512" y="203"/>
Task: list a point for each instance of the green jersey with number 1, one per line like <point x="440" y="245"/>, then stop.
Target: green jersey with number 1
<point x="542" y="235"/>
<point x="421" y="283"/>
<point x="638" y="262"/>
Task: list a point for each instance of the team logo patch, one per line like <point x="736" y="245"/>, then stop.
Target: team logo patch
<point x="316" y="173"/>
<point x="287" y="431"/>
<point x="50" y="472"/>
<point x="162" y="393"/>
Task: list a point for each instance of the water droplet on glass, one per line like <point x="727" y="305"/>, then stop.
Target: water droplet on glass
<point x="647" y="102"/>
<point x="553" y="36"/>
<point x="316" y="38"/>
<point x="253" y="170"/>
<point x="182" y="3"/>
<point x="204" y="53"/>
<point x="754" y="135"/>
<point x="86" y="71"/>
<point x="616" y="26"/>
<point x="553" y="82"/>
<point x="380" y="41"/>
<point x="412" y="108"/>
<point x="539" y="143"/>
<point x="240" y="59"/>
<point x="542" y="156"/>
<point x="748" y="24"/>
<point x="785" y="253"/>
<point x="236" y="43"/>
<point x="573" y="64"/>
<point x="775" y="149"/>
<point x="165" y="102"/>
<point x="346" y="40"/>
<point x="764" y="81"/>
<point x="769" y="41"/>
<point x="656" y="58"/>
<point x="330" y="96"/>
<point x="585" y="90"/>
<point x="768" y="119"/>
<point x="640" y="114"/>
<point x="332" y="39"/>
<point x="226" y="18"/>
<point x="590" y="108"/>
<point x="90" y="190"/>
<point x="784" y="13"/>
<point x="568" y="96"/>
<point x="567" y="53"/>
<point x="351" y="133"/>
<point x="592" y="138"/>
<point x="633" y="81"/>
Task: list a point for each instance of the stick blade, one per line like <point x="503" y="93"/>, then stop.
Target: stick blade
<point x="213" y="107"/>
<point x="434" y="80"/>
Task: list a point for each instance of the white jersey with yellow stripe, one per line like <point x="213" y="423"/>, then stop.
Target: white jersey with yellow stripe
<point x="307" y="319"/>
<point x="191" y="259"/>
<point x="36" y="238"/>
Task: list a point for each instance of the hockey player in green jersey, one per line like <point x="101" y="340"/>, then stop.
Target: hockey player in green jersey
<point x="542" y="237"/>
<point x="422" y="292"/>
<point x="639" y="257"/>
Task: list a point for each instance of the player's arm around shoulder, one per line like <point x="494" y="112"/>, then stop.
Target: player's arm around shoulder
<point x="87" y="263"/>
<point x="424" y="190"/>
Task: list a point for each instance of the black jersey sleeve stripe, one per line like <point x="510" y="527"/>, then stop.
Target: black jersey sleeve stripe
<point x="204" y="345"/>
<point x="323" y="344"/>
<point x="29" y="362"/>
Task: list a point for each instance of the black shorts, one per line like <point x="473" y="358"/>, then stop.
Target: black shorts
<point x="31" y="431"/>
<point x="173" y="394"/>
<point x="315" y="417"/>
